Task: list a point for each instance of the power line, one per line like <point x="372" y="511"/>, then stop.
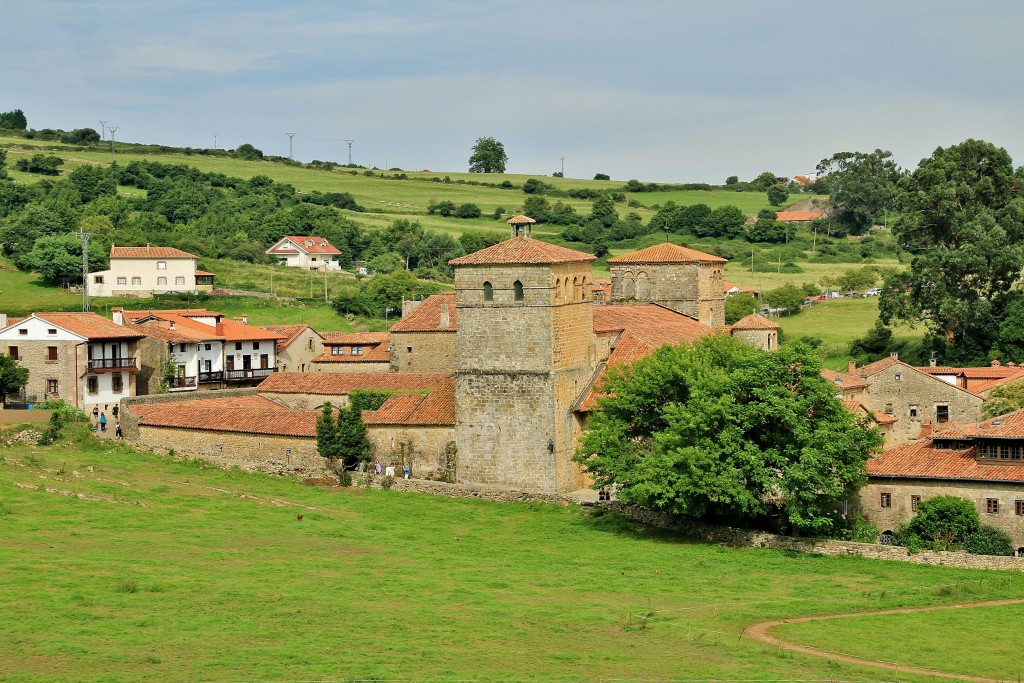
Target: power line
<point x="215" y="140"/>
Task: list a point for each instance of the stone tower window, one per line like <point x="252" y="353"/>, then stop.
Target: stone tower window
<point x="558" y="290"/>
<point x="517" y="290"/>
<point x="575" y="288"/>
<point x="583" y="290"/>
<point x="488" y="292"/>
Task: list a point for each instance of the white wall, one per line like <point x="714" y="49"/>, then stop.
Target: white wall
<point x="180" y="274"/>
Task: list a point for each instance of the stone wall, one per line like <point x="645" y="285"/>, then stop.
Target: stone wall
<point x="766" y="340"/>
<point x="299" y="355"/>
<point x="440" y="488"/>
<point x="33" y="355"/>
<point x="978" y="492"/>
<point x="421" y="447"/>
<point x="688" y="288"/>
<point x="429" y="352"/>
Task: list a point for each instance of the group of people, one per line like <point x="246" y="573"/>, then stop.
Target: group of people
<point x="99" y="421"/>
<point x="389" y="470"/>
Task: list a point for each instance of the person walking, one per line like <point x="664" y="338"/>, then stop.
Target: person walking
<point x="117" y="431"/>
<point x="103" y="422"/>
<point x="377" y="468"/>
<point x="406" y="471"/>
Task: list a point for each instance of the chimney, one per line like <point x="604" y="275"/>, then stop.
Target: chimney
<point x="932" y="362"/>
<point x="926" y="429"/>
<point x="851" y="367"/>
<point x="245" y="319"/>
<point x="445" y="322"/>
<point x="219" y="328"/>
<point x="170" y="325"/>
<point x="996" y="363"/>
<point x="118" y="315"/>
<point x="1011" y="364"/>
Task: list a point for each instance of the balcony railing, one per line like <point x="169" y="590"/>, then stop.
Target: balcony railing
<point x="235" y="375"/>
<point x="111" y="363"/>
<point x="181" y="383"/>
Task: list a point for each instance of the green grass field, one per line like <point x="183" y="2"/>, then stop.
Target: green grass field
<point x="117" y="565"/>
<point x="973" y="642"/>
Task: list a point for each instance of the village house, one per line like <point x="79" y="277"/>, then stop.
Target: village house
<point x="81" y="358"/>
<point x="306" y="251"/>
<point x="982" y="462"/>
<point x="976" y="380"/>
<point x="354" y="352"/>
<point x="297" y="347"/>
<point x="145" y="271"/>
<point x="424" y="340"/>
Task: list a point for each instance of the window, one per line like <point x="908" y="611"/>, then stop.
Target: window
<point x="255" y="345"/>
<point x="136" y="280"/>
<point x="117" y="384"/>
<point x="12" y="351"/>
<point x="1018" y="507"/>
<point x="161" y="281"/>
<point x="914" y="500"/>
<point x="488" y="292"/>
<point x="408" y="349"/>
<point x="122" y="280"/>
<point x="888" y="409"/>
<point x="161" y="265"/>
<point x="517" y="289"/>
<point x="337" y="350"/>
<point x="885" y="500"/>
<point x="207" y="346"/>
<point x="52" y="330"/>
<point x="181" y="348"/>
<point x="92" y="385"/>
<point x="310" y="345"/>
<point x="992" y="506"/>
<point x="357" y="350"/>
<point x="941" y="414"/>
<point x="51" y="387"/>
<point x="208" y="365"/>
<point x="97" y="279"/>
<point x="913" y="411"/>
<point x="238" y="346"/>
<point x="23" y="332"/>
<point x="180" y="280"/>
<point x="52" y="354"/>
<point x="264" y="361"/>
<point x="898" y="376"/>
<point x="1004" y="451"/>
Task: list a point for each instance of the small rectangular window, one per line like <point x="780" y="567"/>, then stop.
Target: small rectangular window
<point x="92" y="385"/>
<point x="179" y="280"/>
<point x="12" y="351"/>
<point x="357" y="350"/>
<point x="337" y="350"/>
<point x="942" y="414"/>
<point x="913" y="411"/>
<point x="117" y="384"/>
<point x="1018" y="507"/>
<point x="208" y="346"/>
<point x="181" y="348"/>
<point x="52" y="354"/>
<point x="52" y="330"/>
<point x="136" y="280"/>
<point x="25" y="332"/>
<point x="914" y="500"/>
<point x="161" y="281"/>
<point x="238" y="346"/>
<point x="161" y="265"/>
<point x="98" y="279"/>
<point x="122" y="280"/>
<point x="255" y="345"/>
<point x="885" y="500"/>
<point x="52" y="385"/>
<point x="992" y="506"/>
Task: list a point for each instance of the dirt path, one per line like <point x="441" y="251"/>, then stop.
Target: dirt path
<point x="762" y="633"/>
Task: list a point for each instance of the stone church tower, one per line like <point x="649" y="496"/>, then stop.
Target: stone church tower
<point x="524" y="355"/>
<point x="686" y="280"/>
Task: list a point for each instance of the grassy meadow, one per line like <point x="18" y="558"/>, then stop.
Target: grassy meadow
<point x="117" y="565"/>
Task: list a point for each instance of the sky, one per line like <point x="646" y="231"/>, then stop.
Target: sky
<point x="673" y="91"/>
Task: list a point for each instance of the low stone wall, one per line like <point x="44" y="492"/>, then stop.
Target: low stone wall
<point x="440" y="488"/>
<point x="761" y="539"/>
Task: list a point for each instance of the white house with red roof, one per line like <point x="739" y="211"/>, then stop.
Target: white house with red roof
<point x="306" y="251"/>
<point x="149" y="270"/>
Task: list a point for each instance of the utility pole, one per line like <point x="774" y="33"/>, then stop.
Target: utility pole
<point x="326" y="300"/>
<point x="563" y="167"/>
<point x="103" y="131"/>
<point x="290" y="136"/>
<point x="215" y="141"/>
<point x="112" y="129"/>
<point x="349" y="151"/>
<point x="84" y="236"/>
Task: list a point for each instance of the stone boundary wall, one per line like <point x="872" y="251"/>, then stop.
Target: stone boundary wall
<point x="440" y="488"/>
<point x="822" y="546"/>
<point x="130" y="422"/>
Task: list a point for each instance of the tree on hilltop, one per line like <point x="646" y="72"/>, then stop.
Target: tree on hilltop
<point x="862" y="187"/>
<point x="488" y="156"/>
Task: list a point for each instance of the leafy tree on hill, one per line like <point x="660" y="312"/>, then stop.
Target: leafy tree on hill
<point x="13" y="377"/>
<point x="862" y="186"/>
<point x="788" y="297"/>
<point x="726" y="432"/>
<point x="467" y="210"/>
<point x="43" y="164"/>
<point x="58" y="258"/>
<point x="248" y="152"/>
<point x="80" y="136"/>
<point x="13" y="120"/>
<point x="602" y="176"/>
<point x="765" y="180"/>
<point x="725" y="221"/>
<point x="93" y="182"/>
<point x="488" y="156"/>
<point x="732" y="180"/>
<point x="963" y="223"/>
<point x="739" y="306"/>
<point x="341" y="435"/>
<point x="767" y="230"/>
<point x="778" y="194"/>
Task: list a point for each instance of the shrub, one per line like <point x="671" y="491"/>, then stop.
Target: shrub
<point x="127" y="586"/>
<point x="344" y="477"/>
<point x="861" y="531"/>
<point x="387" y="482"/>
<point x="945" y="522"/>
<point x="989" y="540"/>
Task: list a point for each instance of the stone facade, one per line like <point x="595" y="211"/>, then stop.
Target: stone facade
<point x="299" y="354"/>
<point x="521" y="365"/>
<point x="900" y="492"/>
<point x="424" y="448"/>
<point x="693" y="289"/>
<point x="66" y="370"/>
<point x="250" y="452"/>
<point x="431" y="352"/>
<point x="765" y="339"/>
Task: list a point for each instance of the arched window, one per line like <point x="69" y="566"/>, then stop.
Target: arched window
<point x="558" y="290"/>
<point x="575" y="288"/>
<point x="488" y="292"/>
<point x="517" y="289"/>
<point x="565" y="290"/>
<point x="585" y="289"/>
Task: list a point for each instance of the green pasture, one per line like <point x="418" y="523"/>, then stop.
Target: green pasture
<point x="979" y="641"/>
<point x="118" y="565"/>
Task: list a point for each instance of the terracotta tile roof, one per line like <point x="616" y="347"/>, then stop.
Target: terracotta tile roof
<point x="790" y="216"/>
<point x="667" y="253"/>
<point x="1010" y="425"/>
<point x="89" y="325"/>
<point x="427" y="317"/>
<point x="435" y="408"/>
<point x="355" y="338"/>
<point x="844" y="381"/>
<point x="289" y="333"/>
<point x="883" y="419"/>
<point x="317" y="245"/>
<point x="522" y="251"/>
<point x="802" y="179"/>
<point x="729" y="286"/>
<point x="754" y="322"/>
<point x="233" y="330"/>
<point x="878" y="366"/>
<point x="938" y="369"/>
<point x="376" y="354"/>
<point x="229" y="418"/>
<point x="14" y="320"/>
<point x="180" y="334"/>
<point x="982" y="387"/>
<point x="148" y="252"/>
<point x="919" y="460"/>
<point x="133" y="315"/>
<point x="650" y="323"/>
<point x="205" y="272"/>
<point x="338" y="384"/>
<point x="520" y="219"/>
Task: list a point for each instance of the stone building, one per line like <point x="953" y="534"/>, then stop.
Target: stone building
<point x="980" y="461"/>
<point x="424" y="340"/>
<point x="354" y="352"/>
<point x="310" y="390"/>
<point x="418" y="430"/>
<point x="976" y="380"/>
<point x="297" y="346"/>
<point x="757" y="331"/>
<point x="82" y="358"/>
<point x="685" y="280"/>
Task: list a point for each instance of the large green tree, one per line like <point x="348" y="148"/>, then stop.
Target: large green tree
<point x="13" y="377"/>
<point x="58" y="258"/>
<point x="723" y="431"/>
<point x="962" y="220"/>
<point x="488" y="156"/>
<point x="862" y="187"/>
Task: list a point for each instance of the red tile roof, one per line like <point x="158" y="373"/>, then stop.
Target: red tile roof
<point x="844" y="381"/>
<point x="791" y="216"/>
<point x="667" y="253"/>
<point x="436" y="408"/>
<point x="878" y="366"/>
<point x="520" y="219"/>
<point x="289" y="333"/>
<point x="355" y="338"/>
<point x="205" y="272"/>
<point x="376" y="354"/>
<point x="180" y="334"/>
<point x="650" y="323"/>
<point x="1010" y="425"/>
<point x="982" y="387"/>
<point x="919" y="460"/>
<point x="427" y="316"/>
<point x="317" y="245"/>
<point x="248" y="414"/>
<point x="522" y="251"/>
<point x="149" y="252"/>
<point x="339" y="384"/>
<point x="727" y="286"/>
<point x="89" y="325"/>
<point x="754" y="322"/>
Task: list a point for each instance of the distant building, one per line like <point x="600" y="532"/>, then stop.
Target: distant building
<point x="297" y="347"/>
<point x="799" y="216"/>
<point x="145" y="271"/>
<point x="306" y="251"/>
<point x="354" y="352"/>
<point x="976" y="380"/>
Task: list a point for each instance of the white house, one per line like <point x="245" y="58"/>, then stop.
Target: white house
<point x="82" y="358"/>
<point x="148" y="270"/>
<point x="306" y="251"/>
